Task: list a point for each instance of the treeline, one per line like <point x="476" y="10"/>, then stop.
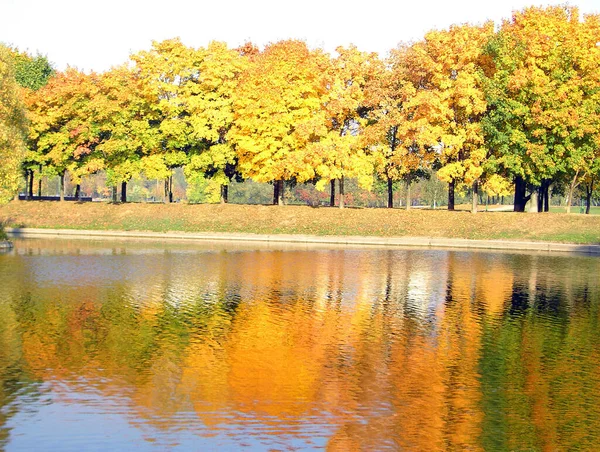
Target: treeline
<point x="513" y="109"/>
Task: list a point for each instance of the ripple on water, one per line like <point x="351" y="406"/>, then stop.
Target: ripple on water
<point x="121" y="346"/>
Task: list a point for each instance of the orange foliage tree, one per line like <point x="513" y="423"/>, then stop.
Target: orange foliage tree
<point x="61" y="132"/>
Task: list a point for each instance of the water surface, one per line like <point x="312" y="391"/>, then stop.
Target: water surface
<point x="120" y="345"/>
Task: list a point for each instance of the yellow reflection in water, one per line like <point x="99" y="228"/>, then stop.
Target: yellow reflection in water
<point x="369" y="349"/>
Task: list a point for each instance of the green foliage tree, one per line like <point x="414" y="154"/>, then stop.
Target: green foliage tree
<point x="32" y="72"/>
<point x="542" y="119"/>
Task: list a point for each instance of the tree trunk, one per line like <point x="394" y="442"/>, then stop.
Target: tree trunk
<point x="572" y="188"/>
<point x="167" y="197"/>
<point x="533" y="205"/>
<point x="77" y="191"/>
<point x="475" y="197"/>
<point x="224" y="194"/>
<point x="114" y="194"/>
<point x="342" y="192"/>
<point x="171" y="188"/>
<point x="332" y="193"/>
<point x="520" y="198"/>
<point x="451" y="186"/>
<point x="408" y="200"/>
<point x="390" y="191"/>
<point x="281" y="194"/>
<point x="547" y="195"/>
<point x="275" y="192"/>
<point x="40" y="183"/>
<point x="30" y="185"/>
<point x="589" y="190"/>
<point x="123" y="192"/>
<point x="62" y="187"/>
<point x="540" y="200"/>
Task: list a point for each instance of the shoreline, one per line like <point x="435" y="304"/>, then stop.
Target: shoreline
<point x="5" y="245"/>
<point x="365" y="241"/>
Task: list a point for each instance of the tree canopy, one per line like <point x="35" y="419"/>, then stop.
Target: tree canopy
<point x="13" y="127"/>
<point x="517" y="106"/>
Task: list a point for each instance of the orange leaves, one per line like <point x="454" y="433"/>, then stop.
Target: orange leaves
<point x="61" y="115"/>
<point x="431" y="100"/>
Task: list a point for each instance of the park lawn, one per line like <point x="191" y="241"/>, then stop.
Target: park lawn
<point x="262" y="219"/>
<point x="576" y="209"/>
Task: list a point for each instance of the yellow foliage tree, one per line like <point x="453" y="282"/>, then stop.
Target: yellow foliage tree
<point x="209" y="101"/>
<point x="340" y="152"/>
<point x="13" y="128"/>
<point x="279" y="114"/>
<point x="165" y="73"/>
<point x="121" y="117"/>
<point x="62" y="131"/>
<point x="446" y="69"/>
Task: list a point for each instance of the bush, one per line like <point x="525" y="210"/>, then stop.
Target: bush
<point x="3" y="235"/>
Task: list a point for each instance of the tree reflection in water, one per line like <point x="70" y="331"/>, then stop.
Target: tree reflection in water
<point x="345" y="349"/>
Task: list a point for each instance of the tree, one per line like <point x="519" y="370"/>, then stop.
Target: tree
<point x="445" y="69"/>
<point x="543" y="98"/>
<point x="210" y="104"/>
<point x="339" y="153"/>
<point x="165" y="73"/>
<point x="397" y="130"/>
<point x="62" y="134"/>
<point x="13" y="127"/>
<point x="31" y="73"/>
<point x="279" y="114"/>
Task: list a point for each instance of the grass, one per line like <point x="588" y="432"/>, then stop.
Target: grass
<point x="576" y="209"/>
<point x="557" y="227"/>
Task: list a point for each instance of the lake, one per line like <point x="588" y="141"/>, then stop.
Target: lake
<point x="121" y="345"/>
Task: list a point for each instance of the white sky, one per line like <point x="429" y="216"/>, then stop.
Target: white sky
<point x="100" y="34"/>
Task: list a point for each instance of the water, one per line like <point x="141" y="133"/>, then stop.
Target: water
<point x="116" y="345"/>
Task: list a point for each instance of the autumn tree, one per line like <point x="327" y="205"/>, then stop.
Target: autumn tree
<point x="278" y="114"/>
<point x="124" y="120"/>
<point x="31" y="73"/>
<point x="209" y="99"/>
<point x="398" y="129"/>
<point x="166" y="72"/>
<point x="340" y="153"/>
<point x="13" y="127"/>
<point x="543" y="98"/>
<point x="61" y="132"/>
<point x="445" y="69"/>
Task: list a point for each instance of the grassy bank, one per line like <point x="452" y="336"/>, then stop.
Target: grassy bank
<point x="303" y="220"/>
